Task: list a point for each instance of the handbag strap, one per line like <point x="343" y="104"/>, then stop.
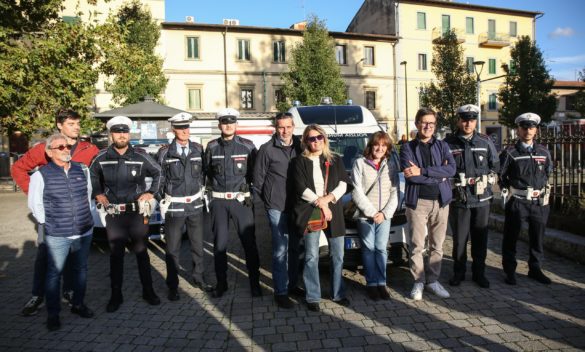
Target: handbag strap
<point x="376" y="180"/>
<point x="326" y="178"/>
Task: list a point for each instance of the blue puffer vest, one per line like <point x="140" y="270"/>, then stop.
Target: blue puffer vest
<point x="66" y="201"/>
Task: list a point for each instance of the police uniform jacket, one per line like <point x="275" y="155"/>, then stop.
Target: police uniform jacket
<point x="183" y="176"/>
<point x="230" y="164"/>
<point x="522" y="169"/>
<point x="474" y="157"/>
<point x="122" y="178"/>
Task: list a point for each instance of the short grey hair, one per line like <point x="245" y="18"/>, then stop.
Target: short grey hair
<point x="52" y="138"/>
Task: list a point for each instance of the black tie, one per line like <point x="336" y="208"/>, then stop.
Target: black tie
<point x="183" y="154"/>
<point x="529" y="149"/>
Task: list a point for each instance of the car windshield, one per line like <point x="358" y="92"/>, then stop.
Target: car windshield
<point x="331" y="115"/>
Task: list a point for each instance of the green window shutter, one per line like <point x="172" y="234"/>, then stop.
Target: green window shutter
<point x="469" y="25"/>
<point x="492" y="66"/>
<point x="421" y="20"/>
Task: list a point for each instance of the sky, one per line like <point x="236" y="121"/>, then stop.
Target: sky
<point x="560" y="33"/>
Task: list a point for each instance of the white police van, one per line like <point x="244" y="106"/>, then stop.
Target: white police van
<point x="349" y="128"/>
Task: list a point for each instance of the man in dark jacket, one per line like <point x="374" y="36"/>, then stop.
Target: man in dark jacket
<point x="59" y="200"/>
<point x="182" y="202"/>
<point x="270" y="183"/>
<point x="477" y="165"/>
<point x="118" y="176"/>
<point x="427" y="164"/>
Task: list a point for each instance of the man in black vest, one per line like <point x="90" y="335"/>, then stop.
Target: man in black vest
<point x="58" y="197"/>
<point x="230" y="162"/>
<point x="118" y="176"/>
<point x="182" y="202"/>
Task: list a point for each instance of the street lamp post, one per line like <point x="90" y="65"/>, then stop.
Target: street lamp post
<point x="406" y="96"/>
<point x="477" y="74"/>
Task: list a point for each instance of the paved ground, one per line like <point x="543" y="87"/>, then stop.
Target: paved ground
<point x="529" y="316"/>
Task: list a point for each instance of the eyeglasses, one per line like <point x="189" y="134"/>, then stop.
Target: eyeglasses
<point x="313" y="139"/>
<point x="429" y="124"/>
<point x="62" y="147"/>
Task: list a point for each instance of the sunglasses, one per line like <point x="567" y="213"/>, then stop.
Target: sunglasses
<point x="62" y="147"/>
<point x="315" y="138"/>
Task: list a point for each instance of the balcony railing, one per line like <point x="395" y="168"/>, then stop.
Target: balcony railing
<point x="438" y="35"/>
<point x="494" y="40"/>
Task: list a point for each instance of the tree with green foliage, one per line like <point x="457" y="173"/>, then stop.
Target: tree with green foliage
<point x="45" y="64"/>
<point x="313" y="70"/>
<point x="454" y="85"/>
<point x="579" y="98"/>
<point x="528" y="85"/>
<point x="132" y="67"/>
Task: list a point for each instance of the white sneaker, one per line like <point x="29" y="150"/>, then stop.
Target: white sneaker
<point x="417" y="291"/>
<point x="438" y="289"/>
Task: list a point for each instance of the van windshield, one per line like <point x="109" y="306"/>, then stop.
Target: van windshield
<point x="331" y="115"/>
<point x="348" y="146"/>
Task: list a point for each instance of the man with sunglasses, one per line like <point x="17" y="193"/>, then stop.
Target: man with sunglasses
<point x="59" y="199"/>
<point x="526" y="167"/>
<point x="270" y="183"/>
<point x="477" y="164"/>
<point x="230" y="163"/>
<point x="118" y="176"/>
<point x="182" y="202"/>
<point x="67" y="122"/>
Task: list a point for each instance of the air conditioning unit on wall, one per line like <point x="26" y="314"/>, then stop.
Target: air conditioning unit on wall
<point x="231" y="22"/>
<point x="189" y="19"/>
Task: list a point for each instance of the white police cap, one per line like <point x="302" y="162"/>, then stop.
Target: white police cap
<point x="227" y="115"/>
<point x="468" y="112"/>
<point x="119" y="124"/>
<point x="528" y="119"/>
<point x="181" y="120"/>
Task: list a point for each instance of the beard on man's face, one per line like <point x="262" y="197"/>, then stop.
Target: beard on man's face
<point x="121" y="144"/>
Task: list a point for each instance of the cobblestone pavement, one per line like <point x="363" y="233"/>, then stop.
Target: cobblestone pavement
<point x="529" y="316"/>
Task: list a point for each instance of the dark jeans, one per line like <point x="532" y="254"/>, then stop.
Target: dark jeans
<point x="40" y="272"/>
<point x="173" y="237"/>
<point x="59" y="249"/>
<point x="469" y="224"/>
<point x="222" y="210"/>
<point x="518" y="211"/>
<point x="121" y="228"/>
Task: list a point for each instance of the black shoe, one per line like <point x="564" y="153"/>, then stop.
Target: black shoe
<point x="539" y="276"/>
<point x="219" y="290"/>
<point x="510" y="279"/>
<point x="173" y="294"/>
<point x="297" y="292"/>
<point x="32" y="306"/>
<point x="373" y="293"/>
<point x="68" y="297"/>
<point x="343" y="302"/>
<point x="53" y="323"/>
<point x="481" y="281"/>
<point x="456" y="280"/>
<point x="313" y="307"/>
<point x="83" y="311"/>
<point x="115" y="301"/>
<point x="150" y="297"/>
<point x="256" y="290"/>
<point x="384" y="295"/>
<point x="203" y="286"/>
<point x="283" y="301"/>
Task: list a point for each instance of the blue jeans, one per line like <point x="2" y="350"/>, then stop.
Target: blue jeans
<point x="311" y="272"/>
<point x="374" y="250"/>
<point x="58" y="249"/>
<point x="285" y="252"/>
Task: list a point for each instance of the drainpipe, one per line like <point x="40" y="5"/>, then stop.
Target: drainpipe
<point x="395" y="90"/>
<point x="225" y="83"/>
<point x="264" y="86"/>
<point x="534" y="26"/>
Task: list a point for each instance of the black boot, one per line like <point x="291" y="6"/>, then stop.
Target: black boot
<point x="115" y="300"/>
<point x="150" y="297"/>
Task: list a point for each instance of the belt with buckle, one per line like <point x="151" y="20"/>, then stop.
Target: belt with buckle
<point x="230" y="195"/>
<point x="187" y="199"/>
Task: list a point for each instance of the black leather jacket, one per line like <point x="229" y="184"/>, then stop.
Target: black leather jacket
<point x="522" y="169"/>
<point x="230" y="164"/>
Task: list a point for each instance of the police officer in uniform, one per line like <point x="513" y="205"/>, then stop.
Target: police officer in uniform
<point x="526" y="167"/>
<point x="182" y="202"/>
<point x="230" y="164"/>
<point x="124" y="202"/>
<point x="477" y="164"/>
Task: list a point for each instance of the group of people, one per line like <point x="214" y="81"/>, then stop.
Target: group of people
<point x="294" y="177"/>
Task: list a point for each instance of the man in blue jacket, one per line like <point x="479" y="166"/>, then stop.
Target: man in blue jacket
<point x="59" y="197"/>
<point x="427" y="164"/>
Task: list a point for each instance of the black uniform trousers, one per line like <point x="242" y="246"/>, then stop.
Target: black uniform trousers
<point x="243" y="218"/>
<point x="518" y="211"/>
<point x="469" y="224"/>
<point x="173" y="239"/>
<point x="122" y="228"/>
